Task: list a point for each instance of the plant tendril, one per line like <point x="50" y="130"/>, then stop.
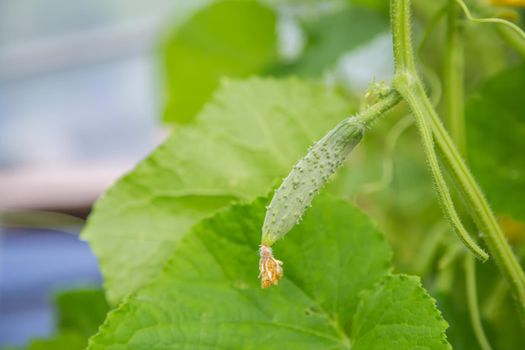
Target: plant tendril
<point x="491" y="20"/>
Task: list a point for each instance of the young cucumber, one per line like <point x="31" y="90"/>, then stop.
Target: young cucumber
<point x="307" y="177"/>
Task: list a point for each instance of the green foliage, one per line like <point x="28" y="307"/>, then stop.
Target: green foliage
<point x="498" y="310"/>
<point x="81" y="310"/>
<point x="179" y="253"/>
<point x="63" y="340"/>
<point x="207" y="296"/>
<point x="330" y="36"/>
<point x="495" y="133"/>
<point x="79" y="314"/>
<point x="399" y="314"/>
<point x="233" y="151"/>
<point x="239" y="39"/>
<point x="381" y="5"/>
<point x="228" y="38"/>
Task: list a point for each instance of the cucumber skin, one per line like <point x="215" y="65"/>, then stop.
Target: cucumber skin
<point x="307" y="177"/>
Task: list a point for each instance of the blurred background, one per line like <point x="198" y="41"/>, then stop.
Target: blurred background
<point x="79" y="106"/>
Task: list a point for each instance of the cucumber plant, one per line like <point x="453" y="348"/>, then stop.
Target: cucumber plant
<point x="177" y="237"/>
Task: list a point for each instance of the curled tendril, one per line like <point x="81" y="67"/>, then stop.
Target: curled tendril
<point x="493" y="20"/>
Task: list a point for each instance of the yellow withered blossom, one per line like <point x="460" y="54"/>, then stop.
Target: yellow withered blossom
<point x="517" y="3"/>
<point x="270" y="269"/>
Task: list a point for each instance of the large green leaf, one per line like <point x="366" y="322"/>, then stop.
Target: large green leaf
<point x="496" y="141"/>
<point x="247" y="137"/>
<point x="208" y="295"/>
<point x="228" y="38"/>
<point x="399" y="314"/>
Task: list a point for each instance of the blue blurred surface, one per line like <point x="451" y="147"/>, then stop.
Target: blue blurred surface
<point x="34" y="264"/>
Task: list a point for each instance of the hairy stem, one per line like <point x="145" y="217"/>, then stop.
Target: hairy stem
<point x="386" y="101"/>
<point x="411" y="88"/>
<point x="414" y="95"/>
<point x="407" y="82"/>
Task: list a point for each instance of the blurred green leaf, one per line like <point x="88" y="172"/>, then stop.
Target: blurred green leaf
<point x="454" y="309"/>
<point x="79" y="314"/>
<point x="495" y="134"/>
<point x="81" y="310"/>
<point x="330" y="36"/>
<point x="228" y="38"/>
<point x="499" y="314"/>
<point x="208" y="295"/>
<point x="63" y="340"/>
<point x="249" y="136"/>
<point x="381" y="5"/>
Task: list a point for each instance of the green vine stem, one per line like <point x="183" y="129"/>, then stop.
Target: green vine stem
<point x="411" y="88"/>
<point x="455" y="113"/>
<point x="409" y="85"/>
<point x="418" y="109"/>
<point x="453" y="77"/>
